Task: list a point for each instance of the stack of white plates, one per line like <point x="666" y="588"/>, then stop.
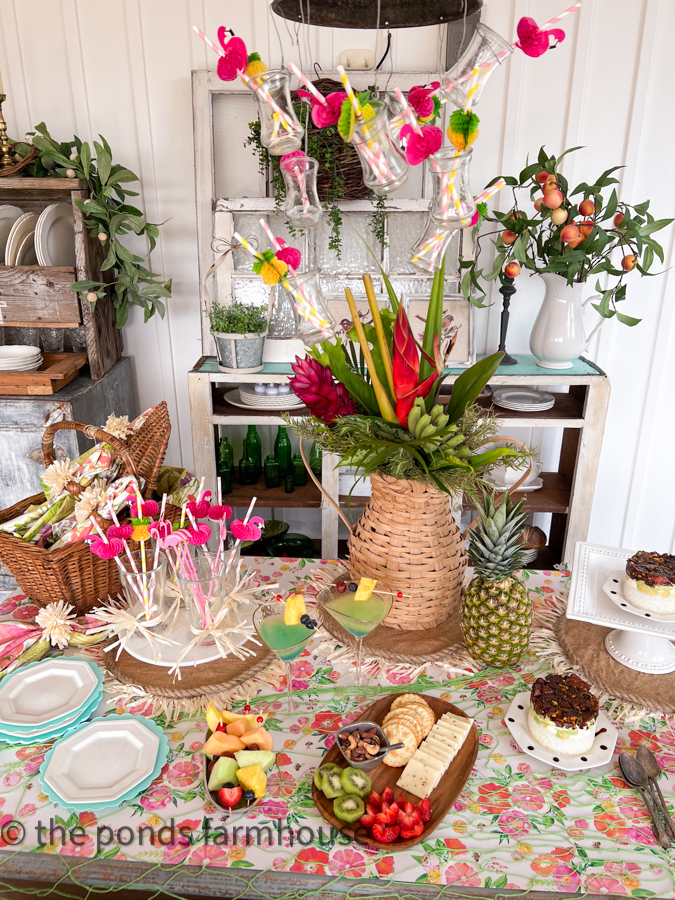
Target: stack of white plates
<point x="246" y="396"/>
<point x="18" y="358"/>
<point x="523" y="399"/>
<point x="8" y="216"/>
<point x="20" y="248"/>
<point x="55" y="236"/>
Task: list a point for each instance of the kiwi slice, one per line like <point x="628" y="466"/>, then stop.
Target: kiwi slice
<point x="349" y="807"/>
<point x="355" y="781"/>
<point x="331" y="785"/>
<point x="319" y="773"/>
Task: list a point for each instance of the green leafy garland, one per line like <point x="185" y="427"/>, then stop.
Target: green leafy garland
<point x="106" y="216"/>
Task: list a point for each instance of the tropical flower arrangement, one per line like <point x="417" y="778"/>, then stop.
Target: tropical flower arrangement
<point x="575" y="233"/>
<point x="374" y="400"/>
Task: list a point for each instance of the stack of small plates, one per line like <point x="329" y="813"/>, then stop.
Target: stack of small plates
<point x="246" y="396"/>
<point x="43" y="700"/>
<point x="20" y="247"/>
<point x="8" y="216"/>
<point x="104" y="764"/>
<point x="522" y="399"/>
<point x="19" y="358"/>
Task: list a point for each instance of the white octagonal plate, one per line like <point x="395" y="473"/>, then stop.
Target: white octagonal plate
<point x="42" y="693"/>
<point x="599" y="755"/>
<point x="102" y="761"/>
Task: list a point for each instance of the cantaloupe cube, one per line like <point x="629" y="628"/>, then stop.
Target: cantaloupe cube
<point x="220" y="743"/>
<point x="260" y="737"/>
<point x="239" y="727"/>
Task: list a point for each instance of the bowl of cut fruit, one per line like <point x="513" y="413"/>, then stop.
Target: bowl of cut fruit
<point x="238" y="753"/>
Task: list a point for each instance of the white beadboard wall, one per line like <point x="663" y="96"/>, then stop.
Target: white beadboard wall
<point x="122" y="68"/>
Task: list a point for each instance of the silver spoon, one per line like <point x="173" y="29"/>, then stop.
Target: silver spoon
<point x="386" y="750"/>
<point x="652" y="770"/>
<point x="635" y="775"/>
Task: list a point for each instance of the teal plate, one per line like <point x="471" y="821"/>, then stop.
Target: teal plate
<point x="18" y="740"/>
<point x="162" y="754"/>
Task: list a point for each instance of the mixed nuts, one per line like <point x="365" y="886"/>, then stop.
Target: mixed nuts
<point x="360" y="745"/>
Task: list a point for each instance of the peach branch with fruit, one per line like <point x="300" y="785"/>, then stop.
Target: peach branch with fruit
<point x="576" y="233"/>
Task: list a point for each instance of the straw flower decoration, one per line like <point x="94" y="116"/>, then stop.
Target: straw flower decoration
<point x="90" y="500"/>
<point x="271" y="269"/>
<point x="57" y="476"/>
<point x="118" y="426"/>
<point x="119" y="623"/>
<point x="141" y="531"/>
<point x="54" y="619"/>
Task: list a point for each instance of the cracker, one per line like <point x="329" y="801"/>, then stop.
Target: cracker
<point x="424" y="712"/>
<point x="407" y="718"/>
<point x="397" y="732"/>
<point x="407" y="698"/>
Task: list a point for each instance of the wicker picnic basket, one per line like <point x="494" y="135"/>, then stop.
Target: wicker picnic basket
<point x="73" y="573"/>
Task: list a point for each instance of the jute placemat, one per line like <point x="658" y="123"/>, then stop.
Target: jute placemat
<point x="220" y="676"/>
<point x="584" y="646"/>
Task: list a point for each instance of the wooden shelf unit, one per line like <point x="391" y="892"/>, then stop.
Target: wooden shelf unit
<point x="567" y="494"/>
<point x="40" y="296"/>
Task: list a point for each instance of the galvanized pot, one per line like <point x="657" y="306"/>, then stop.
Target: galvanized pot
<point x="240" y="353"/>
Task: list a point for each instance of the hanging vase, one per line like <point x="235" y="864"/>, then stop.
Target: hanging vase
<point x="486" y="51"/>
<point x="558" y="336"/>
<point x="452" y="203"/>
<point x="280" y="130"/>
<point x="313" y="321"/>
<point x="428" y="252"/>
<point x="385" y="168"/>
<point x="302" y="207"/>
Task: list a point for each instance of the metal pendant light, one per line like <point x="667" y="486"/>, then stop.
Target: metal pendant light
<point x="364" y="13"/>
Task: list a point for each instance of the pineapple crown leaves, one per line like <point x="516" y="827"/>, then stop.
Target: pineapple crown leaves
<point x="494" y="547"/>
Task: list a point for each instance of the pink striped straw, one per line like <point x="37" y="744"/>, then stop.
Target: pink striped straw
<point x="308" y="84"/>
<point x="408" y="113"/>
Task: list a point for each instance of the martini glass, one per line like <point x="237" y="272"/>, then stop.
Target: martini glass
<point x="286" y="641"/>
<point x="359" y="618"/>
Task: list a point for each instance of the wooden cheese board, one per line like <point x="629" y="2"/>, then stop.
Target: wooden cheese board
<point x="441" y="798"/>
<point x="56" y="371"/>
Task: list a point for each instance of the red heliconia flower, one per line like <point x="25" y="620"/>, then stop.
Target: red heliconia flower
<point x="406" y="368"/>
<point x="325" y="398"/>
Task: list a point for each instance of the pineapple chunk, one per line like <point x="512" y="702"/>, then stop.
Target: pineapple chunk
<point x="365" y="589"/>
<point x="252" y="778"/>
<point x="295" y="609"/>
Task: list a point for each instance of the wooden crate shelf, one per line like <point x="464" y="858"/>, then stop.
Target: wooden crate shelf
<point x="40" y="296"/>
<point x="307" y="496"/>
<point x="568" y="412"/>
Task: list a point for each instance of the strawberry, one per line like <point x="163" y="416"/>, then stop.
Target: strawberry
<point x="400" y="800"/>
<point x="384" y="834"/>
<point x="388" y="815"/>
<point x="408" y="819"/>
<point x="415" y="831"/>
<point x="230" y="796"/>
<point x="424" y="807"/>
<point x="368" y="818"/>
<point x="371" y="809"/>
<point x="387" y="795"/>
<point x="374" y="800"/>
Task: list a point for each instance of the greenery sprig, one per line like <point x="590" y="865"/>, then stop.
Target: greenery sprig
<point x="238" y="318"/>
<point x="107" y="217"/>
<point x="575" y="234"/>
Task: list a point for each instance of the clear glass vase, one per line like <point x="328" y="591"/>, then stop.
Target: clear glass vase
<point x="313" y="321"/>
<point x="282" y="324"/>
<point x="427" y="253"/>
<point x="486" y="50"/>
<point x="203" y="588"/>
<point x="143" y="582"/>
<point x="280" y="130"/>
<point x="302" y="207"/>
<point x="452" y="203"/>
<point x="385" y="168"/>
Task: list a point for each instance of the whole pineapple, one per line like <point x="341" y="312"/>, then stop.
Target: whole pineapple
<point x="496" y="608"/>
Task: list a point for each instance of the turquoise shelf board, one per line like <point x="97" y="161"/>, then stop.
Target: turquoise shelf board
<point x="527" y="365"/>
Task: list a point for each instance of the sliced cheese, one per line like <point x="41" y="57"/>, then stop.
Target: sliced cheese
<point x="445" y="751"/>
<point x="418" y="779"/>
<point x="458" y="721"/>
<point x="445" y="731"/>
<point x="433" y="762"/>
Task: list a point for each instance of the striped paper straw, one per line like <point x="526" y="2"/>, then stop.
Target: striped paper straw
<point x="408" y="113"/>
<point x="490" y="192"/>
<point x="308" y="84"/>
<point x="353" y="99"/>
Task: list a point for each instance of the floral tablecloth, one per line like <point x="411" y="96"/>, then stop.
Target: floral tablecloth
<point x="518" y="823"/>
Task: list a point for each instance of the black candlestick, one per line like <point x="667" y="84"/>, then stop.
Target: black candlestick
<point x="507" y="290"/>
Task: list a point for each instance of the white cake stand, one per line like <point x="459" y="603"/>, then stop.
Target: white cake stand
<point x="640" y="640"/>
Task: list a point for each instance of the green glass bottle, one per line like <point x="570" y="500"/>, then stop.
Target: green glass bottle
<point x="225" y="475"/>
<point x="254" y="448"/>
<point x="299" y="471"/>
<point x="282" y="451"/>
<point x="288" y="483"/>
<point x="247" y="469"/>
<point x="315" y="459"/>
<point x="272" y="472"/>
<point x="225" y="455"/>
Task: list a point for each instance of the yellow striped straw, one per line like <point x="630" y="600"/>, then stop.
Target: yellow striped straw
<point x="475" y="84"/>
<point x="351" y="96"/>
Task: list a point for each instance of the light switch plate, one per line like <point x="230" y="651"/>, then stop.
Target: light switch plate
<point x="357" y="59"/>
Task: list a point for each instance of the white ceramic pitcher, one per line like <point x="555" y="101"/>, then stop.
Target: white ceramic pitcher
<point x="558" y="335"/>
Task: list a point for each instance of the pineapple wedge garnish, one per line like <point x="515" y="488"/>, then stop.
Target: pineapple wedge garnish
<point x="295" y="609"/>
<point x="365" y="589"/>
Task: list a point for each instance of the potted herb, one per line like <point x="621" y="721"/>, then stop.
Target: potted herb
<point x="571" y="236"/>
<point x="239" y="331"/>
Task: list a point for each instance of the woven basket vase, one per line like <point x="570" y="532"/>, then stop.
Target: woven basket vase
<point x="407" y="538"/>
